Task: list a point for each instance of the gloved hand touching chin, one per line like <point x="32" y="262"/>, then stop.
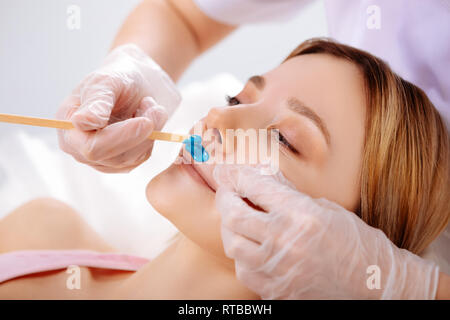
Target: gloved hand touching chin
<point x="302" y="248"/>
<point x="115" y="109"/>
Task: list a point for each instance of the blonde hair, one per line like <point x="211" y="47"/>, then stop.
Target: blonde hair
<point x="405" y="170"/>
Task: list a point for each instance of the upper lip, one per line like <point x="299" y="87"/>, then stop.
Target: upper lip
<point x="209" y="181"/>
<point x="192" y="163"/>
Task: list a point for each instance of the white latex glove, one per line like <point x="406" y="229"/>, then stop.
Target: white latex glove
<point x="114" y="110"/>
<point x="302" y="248"/>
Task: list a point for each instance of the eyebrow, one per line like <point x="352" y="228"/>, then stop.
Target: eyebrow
<point x="299" y="107"/>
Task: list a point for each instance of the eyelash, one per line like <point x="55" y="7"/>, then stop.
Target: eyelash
<point x="286" y="144"/>
<point x="232" y="101"/>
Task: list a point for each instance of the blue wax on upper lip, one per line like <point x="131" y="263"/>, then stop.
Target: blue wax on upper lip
<point x="195" y="148"/>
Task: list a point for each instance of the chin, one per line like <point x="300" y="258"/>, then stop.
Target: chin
<point x="189" y="203"/>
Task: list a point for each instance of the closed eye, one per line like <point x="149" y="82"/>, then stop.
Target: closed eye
<point x="285" y="143"/>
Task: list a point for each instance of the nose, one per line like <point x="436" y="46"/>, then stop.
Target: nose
<point x="242" y="116"/>
<point x="219" y="119"/>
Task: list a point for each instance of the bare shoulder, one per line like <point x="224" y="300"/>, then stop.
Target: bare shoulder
<point x="50" y="224"/>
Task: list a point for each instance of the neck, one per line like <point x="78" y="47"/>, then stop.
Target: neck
<point x="186" y="271"/>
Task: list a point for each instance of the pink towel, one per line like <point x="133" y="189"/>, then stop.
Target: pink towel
<point x="20" y="263"/>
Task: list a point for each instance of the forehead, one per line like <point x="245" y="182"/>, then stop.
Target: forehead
<point x="317" y="72"/>
<point x="332" y="86"/>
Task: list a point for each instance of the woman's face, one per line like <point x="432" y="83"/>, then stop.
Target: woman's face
<point x="317" y="103"/>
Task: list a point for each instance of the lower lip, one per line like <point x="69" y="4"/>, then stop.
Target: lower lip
<point x="194" y="174"/>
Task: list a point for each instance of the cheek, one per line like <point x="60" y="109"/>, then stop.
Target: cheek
<point x="188" y="206"/>
<point x="336" y="183"/>
<point x="342" y="187"/>
<point x="303" y="176"/>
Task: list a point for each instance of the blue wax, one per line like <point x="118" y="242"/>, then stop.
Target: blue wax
<point x="195" y="148"/>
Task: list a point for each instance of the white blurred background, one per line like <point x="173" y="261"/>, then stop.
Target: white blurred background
<point x="41" y="60"/>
